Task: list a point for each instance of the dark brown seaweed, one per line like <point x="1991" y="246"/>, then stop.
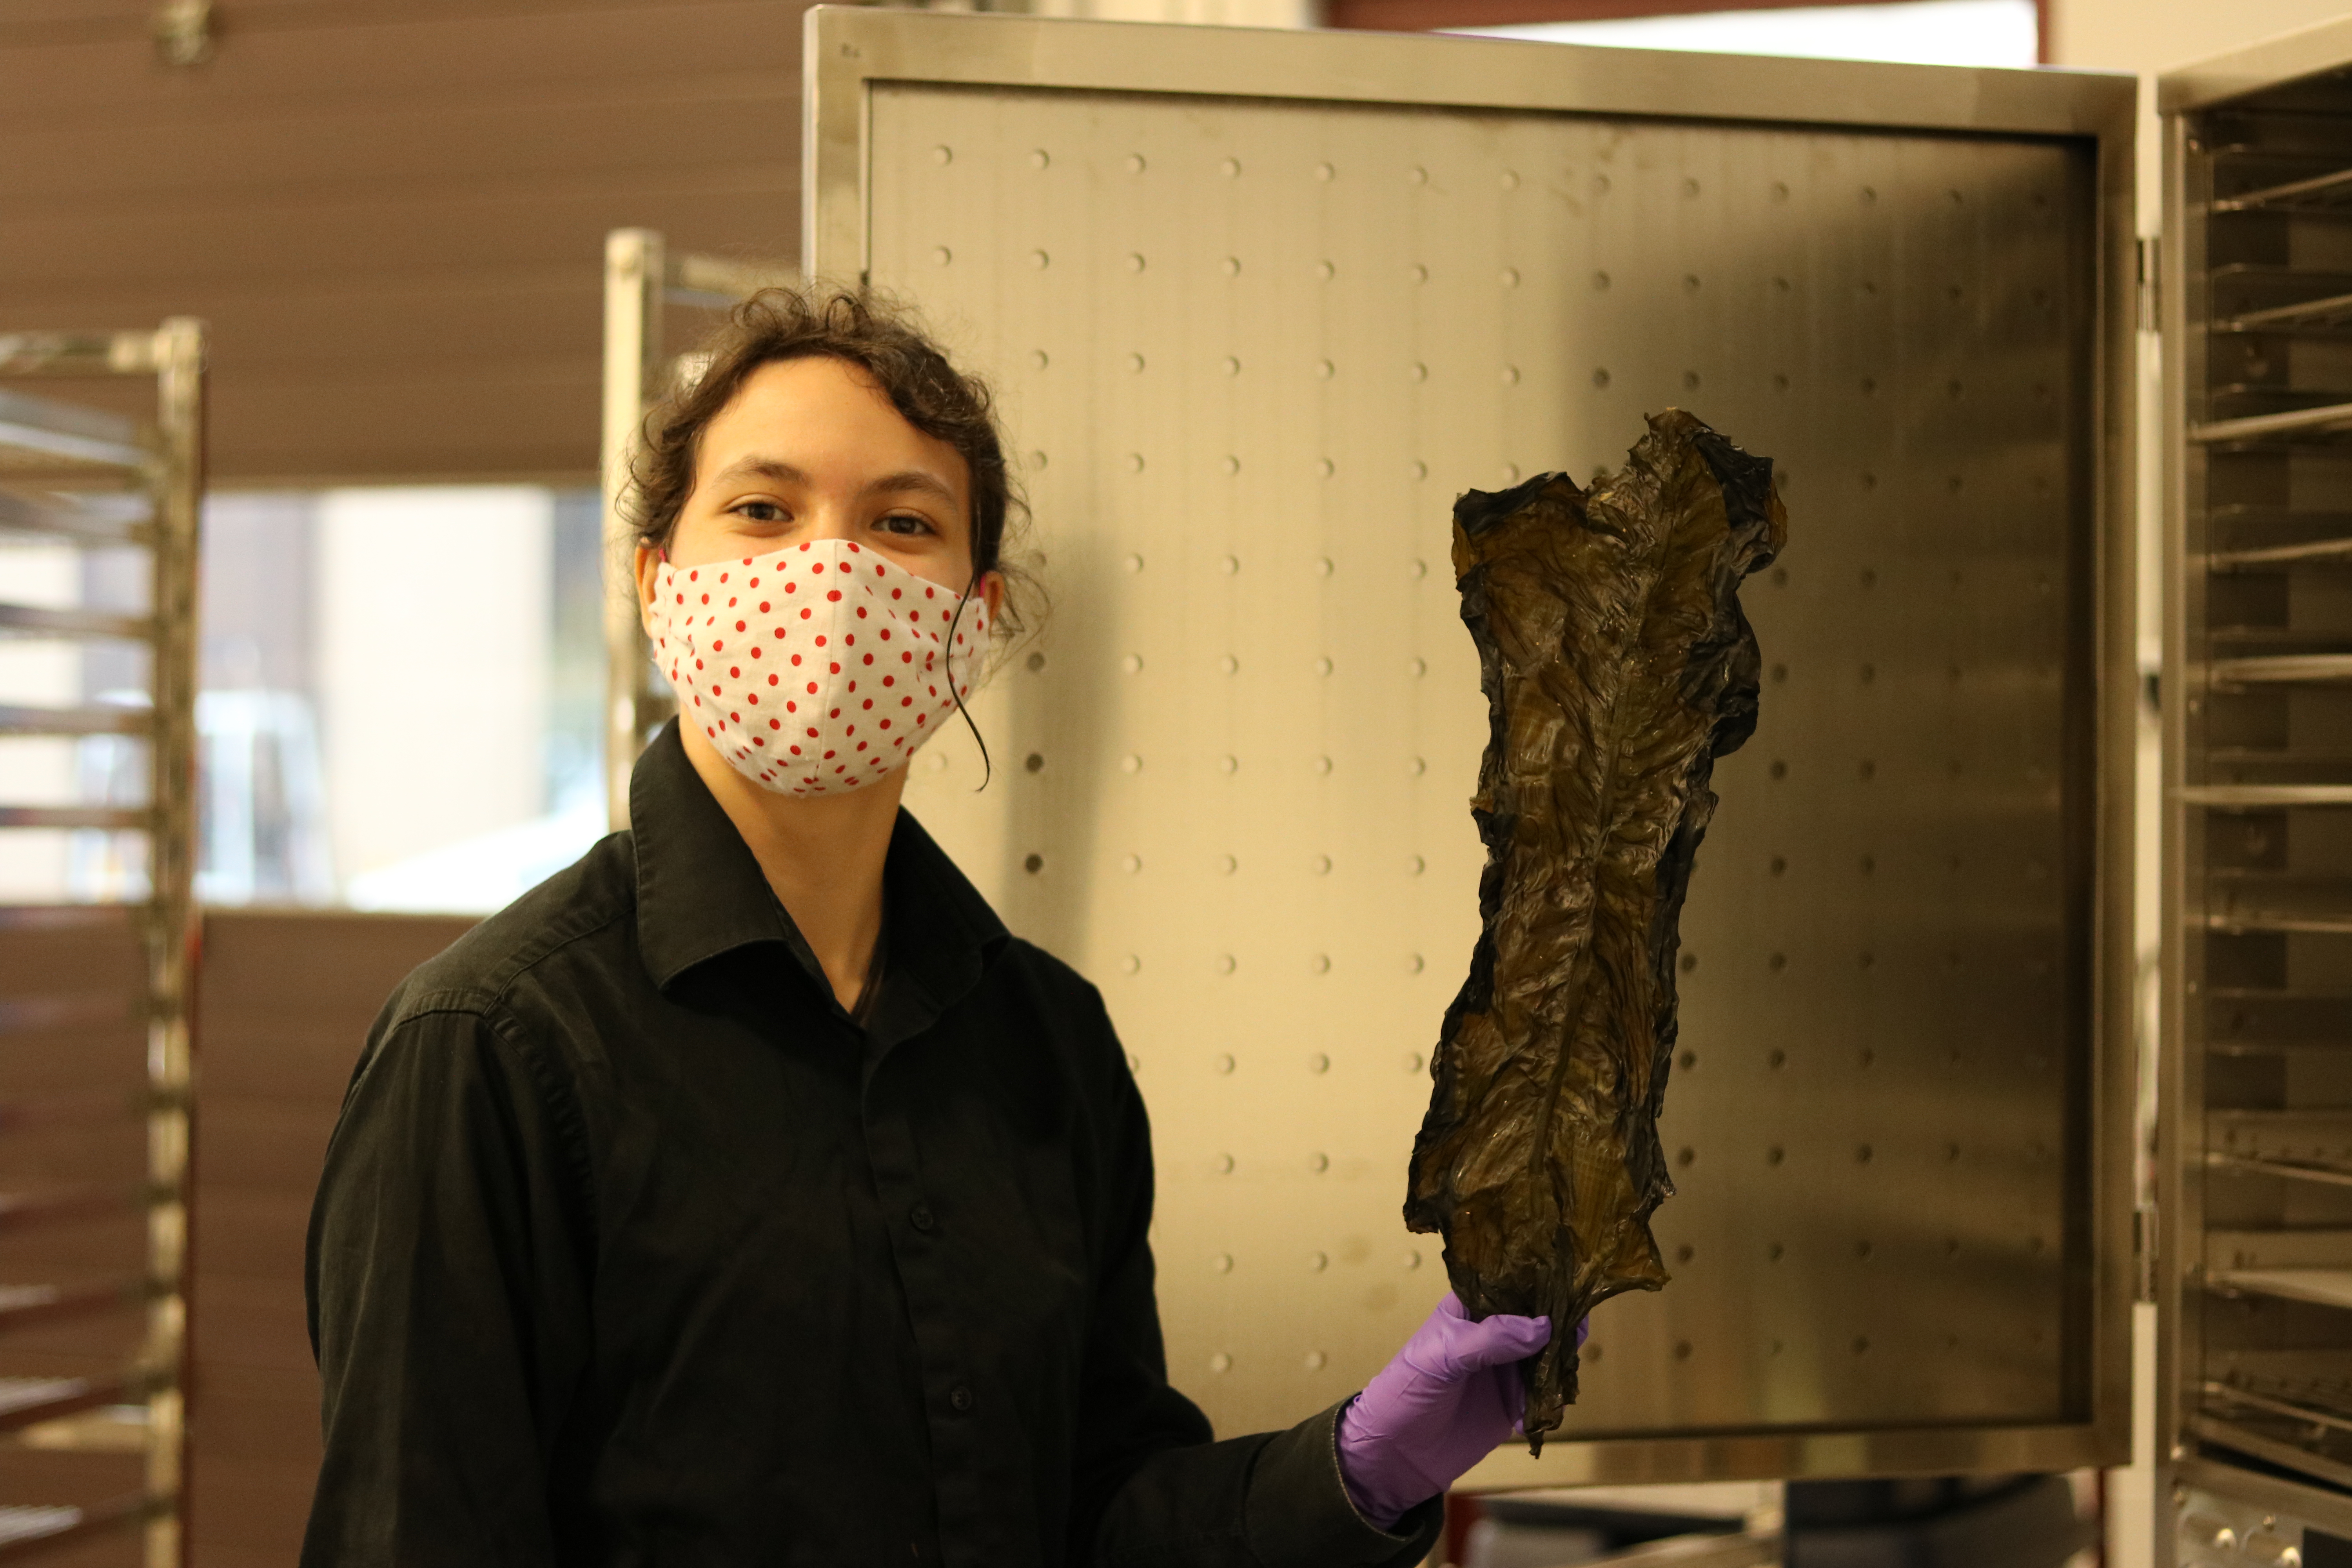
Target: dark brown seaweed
<point x="1617" y="665"/>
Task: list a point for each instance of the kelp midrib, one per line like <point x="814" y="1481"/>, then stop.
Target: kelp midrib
<point x="1578" y="985"/>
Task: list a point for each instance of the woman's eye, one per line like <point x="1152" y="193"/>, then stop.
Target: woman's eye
<point x="759" y="510"/>
<point x="903" y="522"/>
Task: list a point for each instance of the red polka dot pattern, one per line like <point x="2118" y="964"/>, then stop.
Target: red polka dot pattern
<point x="866" y="713"/>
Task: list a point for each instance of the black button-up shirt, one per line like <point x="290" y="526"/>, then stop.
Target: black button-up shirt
<point x="634" y="1249"/>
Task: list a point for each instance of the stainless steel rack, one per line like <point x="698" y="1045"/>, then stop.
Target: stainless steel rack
<point x="2255" y="1273"/>
<point x="641" y="279"/>
<point x="94" y="997"/>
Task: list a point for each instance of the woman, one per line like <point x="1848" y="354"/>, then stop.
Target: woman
<point x="745" y="1193"/>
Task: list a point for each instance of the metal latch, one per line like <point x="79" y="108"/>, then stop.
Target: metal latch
<point x="2144" y="1253"/>
<point x="2151" y="265"/>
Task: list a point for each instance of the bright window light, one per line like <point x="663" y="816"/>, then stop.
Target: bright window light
<point x="1922" y="32"/>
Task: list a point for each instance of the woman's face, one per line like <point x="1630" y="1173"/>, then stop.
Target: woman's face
<point x="812" y="449"/>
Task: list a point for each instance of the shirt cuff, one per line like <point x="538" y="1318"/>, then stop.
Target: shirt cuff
<point x="1298" y="1511"/>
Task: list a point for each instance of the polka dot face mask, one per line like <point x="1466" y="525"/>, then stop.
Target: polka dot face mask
<point x="816" y="669"/>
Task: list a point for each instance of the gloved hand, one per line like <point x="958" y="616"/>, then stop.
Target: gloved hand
<point x="1450" y="1397"/>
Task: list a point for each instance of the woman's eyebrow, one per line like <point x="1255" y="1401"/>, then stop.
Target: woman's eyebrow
<point x="777" y="472"/>
<point x="774" y="469"/>
<point x="912" y="480"/>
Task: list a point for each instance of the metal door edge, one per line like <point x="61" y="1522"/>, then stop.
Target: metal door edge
<point x="2180" y="1198"/>
<point x="849" y="47"/>
<point x="1933" y="1451"/>
<point x="2257" y="68"/>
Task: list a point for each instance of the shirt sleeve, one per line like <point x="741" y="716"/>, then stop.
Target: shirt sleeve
<point x="1152" y="1488"/>
<point x="446" y="1303"/>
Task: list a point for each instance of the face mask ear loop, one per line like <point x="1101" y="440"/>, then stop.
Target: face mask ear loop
<point x="988" y="768"/>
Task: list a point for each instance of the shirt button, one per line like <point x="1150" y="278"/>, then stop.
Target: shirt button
<point x="919" y="1216"/>
<point x="960" y="1397"/>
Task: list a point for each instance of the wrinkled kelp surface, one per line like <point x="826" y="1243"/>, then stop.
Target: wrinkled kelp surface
<point x="1617" y="665"/>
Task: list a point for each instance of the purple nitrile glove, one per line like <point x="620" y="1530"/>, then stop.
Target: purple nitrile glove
<point x="1450" y="1397"/>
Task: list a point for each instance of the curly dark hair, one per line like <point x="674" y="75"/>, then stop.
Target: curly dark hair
<point x="879" y="336"/>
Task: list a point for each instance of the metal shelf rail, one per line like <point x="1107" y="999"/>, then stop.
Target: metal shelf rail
<point x="641" y="277"/>
<point x="91" y="479"/>
<point x="2330" y="191"/>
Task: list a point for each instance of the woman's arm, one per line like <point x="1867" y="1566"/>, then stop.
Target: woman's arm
<point x="445" y="1284"/>
<point x="1151" y="1488"/>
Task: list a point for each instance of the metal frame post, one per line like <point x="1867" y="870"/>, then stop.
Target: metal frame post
<point x="634" y="272"/>
<point x="641" y="277"/>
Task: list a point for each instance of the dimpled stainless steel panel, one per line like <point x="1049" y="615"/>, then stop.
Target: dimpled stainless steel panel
<point x="1250" y="350"/>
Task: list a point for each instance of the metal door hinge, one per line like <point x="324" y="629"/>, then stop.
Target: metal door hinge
<point x="2151" y="265"/>
<point x="2144" y="1253"/>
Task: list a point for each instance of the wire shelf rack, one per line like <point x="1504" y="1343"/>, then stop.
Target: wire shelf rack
<point x="88" y="478"/>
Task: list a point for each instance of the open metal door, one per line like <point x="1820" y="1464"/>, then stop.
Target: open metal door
<point x="1259" y="306"/>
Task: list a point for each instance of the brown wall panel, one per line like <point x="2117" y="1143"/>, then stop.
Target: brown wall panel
<point x="285" y="1005"/>
<point x="96" y="1363"/>
<point x="292" y="976"/>
<point x="239" y="1515"/>
<point x="236" y="164"/>
<point x="261" y="63"/>
<point x="72" y="1042"/>
<point x="274" y="1059"/>
<point x="256" y="1323"/>
<point x="103" y="1248"/>
<point x="255" y="1235"/>
<point x="547" y="309"/>
<point x="487" y="226"/>
<point x="416" y="395"/>
<point x="109" y="1155"/>
<point x="266" y="1144"/>
<point x="51" y="1478"/>
<point x="76" y="1064"/>
<point x="103" y="1333"/>
<point x="393" y="217"/>
<point x="264" y="1439"/>
<point x="98" y="954"/>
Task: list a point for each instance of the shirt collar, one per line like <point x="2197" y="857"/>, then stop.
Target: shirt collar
<point x="700" y="894"/>
<point x="942" y="935"/>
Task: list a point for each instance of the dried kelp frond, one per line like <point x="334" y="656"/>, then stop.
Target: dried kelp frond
<point x="1617" y="666"/>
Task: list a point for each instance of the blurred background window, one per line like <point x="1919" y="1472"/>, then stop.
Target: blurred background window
<point x="401" y="688"/>
<point x="1924" y="32"/>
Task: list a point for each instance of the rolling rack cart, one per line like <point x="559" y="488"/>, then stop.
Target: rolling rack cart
<point x="2255" y="1267"/>
<point x="94" y="995"/>
<point x="641" y="277"/>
